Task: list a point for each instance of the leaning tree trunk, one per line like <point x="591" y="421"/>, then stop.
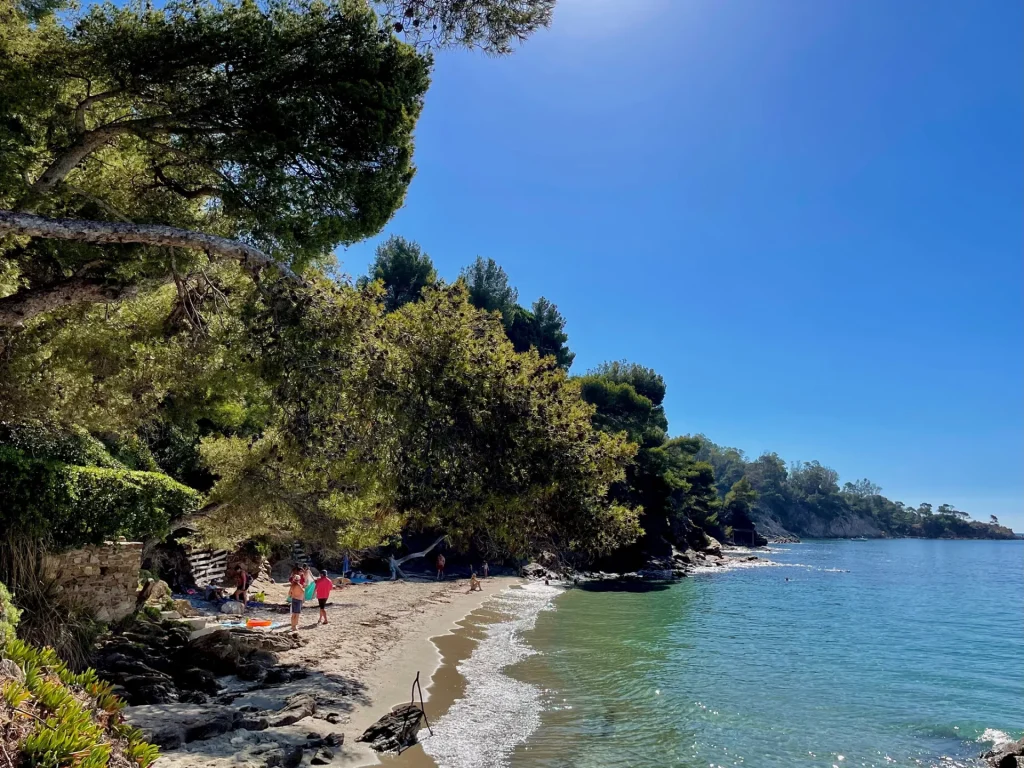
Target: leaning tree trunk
<point x="24" y="305"/>
<point x="396" y="570"/>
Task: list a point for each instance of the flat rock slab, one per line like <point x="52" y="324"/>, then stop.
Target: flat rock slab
<point x="172" y="725"/>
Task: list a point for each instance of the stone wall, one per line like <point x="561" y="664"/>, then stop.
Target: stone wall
<point x="104" y="578"/>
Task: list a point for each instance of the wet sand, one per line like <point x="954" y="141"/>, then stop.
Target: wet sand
<point x="446" y="684"/>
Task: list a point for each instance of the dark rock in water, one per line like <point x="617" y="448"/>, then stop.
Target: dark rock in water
<point x="396" y="730"/>
<point x="1006" y="756"/>
<point x="334" y="739"/>
<point x="171" y="725"/>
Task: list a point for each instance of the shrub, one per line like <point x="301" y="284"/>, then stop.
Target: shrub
<point x="59" y="718"/>
<point x="9" y="616"/>
<point x="68" y="505"/>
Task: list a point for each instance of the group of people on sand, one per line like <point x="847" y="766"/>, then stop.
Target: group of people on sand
<point x="303" y="586"/>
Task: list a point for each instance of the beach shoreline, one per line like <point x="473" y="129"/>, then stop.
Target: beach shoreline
<point x="389" y="681"/>
<point x="359" y="666"/>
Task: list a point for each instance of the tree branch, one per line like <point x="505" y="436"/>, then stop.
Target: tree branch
<point x="26" y="304"/>
<point x="87" y="102"/>
<point x="88" y="143"/>
<point x="115" y="232"/>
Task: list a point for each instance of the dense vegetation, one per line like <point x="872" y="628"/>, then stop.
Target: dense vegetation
<point x="176" y="344"/>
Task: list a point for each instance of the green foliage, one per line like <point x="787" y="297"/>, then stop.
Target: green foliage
<point x="68" y="444"/>
<point x="152" y="612"/>
<point x="71" y="505"/>
<point x="403" y="269"/>
<point x="425" y="417"/>
<point x="493" y="25"/>
<point x="543" y="329"/>
<point x="738" y="503"/>
<point x="286" y="123"/>
<point x="489" y="288"/>
<point x="9" y="616"/>
<point x="76" y="716"/>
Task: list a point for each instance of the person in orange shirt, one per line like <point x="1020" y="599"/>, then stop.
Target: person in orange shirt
<point x="296" y="593"/>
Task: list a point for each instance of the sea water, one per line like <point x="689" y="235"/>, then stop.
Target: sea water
<point x="828" y="653"/>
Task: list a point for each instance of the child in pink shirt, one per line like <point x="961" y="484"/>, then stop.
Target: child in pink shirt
<point x="323" y="591"/>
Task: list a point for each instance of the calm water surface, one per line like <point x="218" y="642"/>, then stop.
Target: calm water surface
<point x="879" y="653"/>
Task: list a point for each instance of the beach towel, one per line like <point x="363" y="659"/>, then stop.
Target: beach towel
<point x="310" y="590"/>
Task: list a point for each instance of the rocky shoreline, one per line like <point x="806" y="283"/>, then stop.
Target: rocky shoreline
<point x="234" y="696"/>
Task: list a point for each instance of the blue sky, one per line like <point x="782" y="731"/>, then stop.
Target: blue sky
<point x="807" y="216"/>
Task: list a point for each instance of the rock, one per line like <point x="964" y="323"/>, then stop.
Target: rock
<point x="171" y="725"/>
<point x="1006" y="756"/>
<point x="331" y="717"/>
<point x="549" y="560"/>
<point x="395" y="731"/>
<point x="285" y="756"/>
<point x="10" y="669"/>
<point x="161" y="591"/>
<point x="535" y="571"/>
<point x="232" y="608"/>
<point x="712" y="547"/>
<point x="251" y="672"/>
<point x="254" y="723"/>
<point x="197" y="679"/>
<point x="185" y="608"/>
<point x="334" y="739"/>
<point x="323" y="756"/>
<point x="299" y="706"/>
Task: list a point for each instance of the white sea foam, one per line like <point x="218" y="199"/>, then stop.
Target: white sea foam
<point x="497" y="713"/>
<point x="995" y="737"/>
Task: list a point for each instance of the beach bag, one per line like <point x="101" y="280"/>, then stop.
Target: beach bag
<point x="310" y="590"/>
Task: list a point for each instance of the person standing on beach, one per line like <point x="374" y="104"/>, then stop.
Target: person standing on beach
<point x="440" y="567"/>
<point x="242" y="582"/>
<point x="296" y="593"/>
<point x="323" y="592"/>
<point x="487" y="569"/>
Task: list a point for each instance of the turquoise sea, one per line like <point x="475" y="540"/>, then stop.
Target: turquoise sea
<point x="824" y="653"/>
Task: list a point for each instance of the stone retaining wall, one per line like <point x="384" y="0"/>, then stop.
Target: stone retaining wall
<point x="102" y="578"/>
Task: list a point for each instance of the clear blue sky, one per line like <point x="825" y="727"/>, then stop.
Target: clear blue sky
<point x="806" y="215"/>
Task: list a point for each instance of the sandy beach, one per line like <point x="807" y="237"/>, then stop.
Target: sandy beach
<point x="361" y="664"/>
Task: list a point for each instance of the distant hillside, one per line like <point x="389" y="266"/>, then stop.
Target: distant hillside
<point x="806" y="500"/>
